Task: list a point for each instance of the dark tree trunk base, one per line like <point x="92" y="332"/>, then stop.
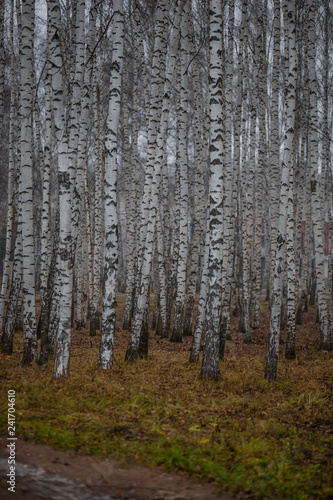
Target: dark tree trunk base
<point x="241" y="324"/>
<point x="326" y="346"/>
<point x="7" y="347"/>
<point x="127" y="324"/>
<point x="268" y="295"/>
<point x="188" y="317"/>
<point x="211" y="375"/>
<point x="39" y="327"/>
<point x="28" y="353"/>
<point x="92" y="330"/>
<point x="131" y="354"/>
<point x="194" y="358"/>
<point x="177" y="332"/>
<point x="143" y="344"/>
<point x="159" y="325"/>
<point x="290" y="353"/>
<point x="271" y="370"/>
<point x="299" y="314"/>
<point x="222" y="349"/>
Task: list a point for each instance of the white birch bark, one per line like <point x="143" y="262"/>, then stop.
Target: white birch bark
<point x="75" y="117"/>
<point x="82" y="162"/>
<point x="89" y="237"/>
<point x="177" y="333"/>
<point x="98" y="208"/>
<point x="2" y="59"/>
<point x="287" y="171"/>
<point x="198" y="184"/>
<point x="154" y="116"/>
<point x="247" y="180"/>
<point x="132" y="188"/>
<point x="162" y="288"/>
<point x="316" y="189"/>
<point x="274" y="141"/>
<point x="292" y="202"/>
<point x="228" y="217"/>
<point x="143" y="289"/>
<point x="46" y="246"/>
<point x="50" y="313"/>
<point x="65" y="180"/>
<point x="261" y="98"/>
<point x="110" y="192"/>
<point x="195" y="347"/>
<point x="5" y="275"/>
<point x="210" y="369"/>
<point x="27" y="57"/>
<point x="14" y="298"/>
<point x="326" y="170"/>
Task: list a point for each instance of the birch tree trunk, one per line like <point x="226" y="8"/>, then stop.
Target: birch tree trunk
<point x="26" y="134"/>
<point x="287" y="171"/>
<point x="65" y="180"/>
<point x="177" y="333"/>
<point x="210" y="369"/>
<point x="228" y="217"/>
<point x="195" y="347"/>
<point x="261" y="98"/>
<point x="199" y="146"/>
<point x="14" y="298"/>
<point x="274" y="141"/>
<point x="43" y="325"/>
<point x="147" y="252"/>
<point x="316" y="189"/>
<point x="5" y="275"/>
<point x="132" y="189"/>
<point x="110" y="192"/>
<point x="291" y="226"/>
<point x="2" y="57"/>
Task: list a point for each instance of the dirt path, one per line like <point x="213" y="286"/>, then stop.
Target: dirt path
<point x="42" y="472"/>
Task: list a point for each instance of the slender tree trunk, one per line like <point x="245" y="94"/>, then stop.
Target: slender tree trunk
<point x="147" y="252"/>
<point x="26" y="134"/>
<point x="10" y="194"/>
<point x="210" y="369"/>
<point x="177" y="333"/>
<point x="65" y="180"/>
<point x="317" y="190"/>
<point x="14" y="298"/>
<point x="195" y="348"/>
<point x="110" y="193"/>
<point x="274" y="141"/>
<point x="228" y="218"/>
<point x="287" y="170"/>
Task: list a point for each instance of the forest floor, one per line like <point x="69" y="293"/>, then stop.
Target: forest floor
<point x="243" y="435"/>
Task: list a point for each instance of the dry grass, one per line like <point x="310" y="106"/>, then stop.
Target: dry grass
<point x="272" y="440"/>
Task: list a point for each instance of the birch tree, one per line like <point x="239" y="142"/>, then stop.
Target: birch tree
<point x="147" y="250"/>
<point x="27" y="61"/>
<point x="177" y="332"/>
<point x="316" y="189"/>
<point x="110" y="192"/>
<point x="287" y="171"/>
<point x="210" y="369"/>
<point x="10" y="191"/>
<point x="65" y="180"/>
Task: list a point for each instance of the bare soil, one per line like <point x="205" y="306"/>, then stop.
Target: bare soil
<point x="68" y="475"/>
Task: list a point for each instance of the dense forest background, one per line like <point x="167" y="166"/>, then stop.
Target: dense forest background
<point x="176" y="148"/>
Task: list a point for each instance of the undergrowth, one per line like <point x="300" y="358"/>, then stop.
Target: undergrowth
<point x="271" y="440"/>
